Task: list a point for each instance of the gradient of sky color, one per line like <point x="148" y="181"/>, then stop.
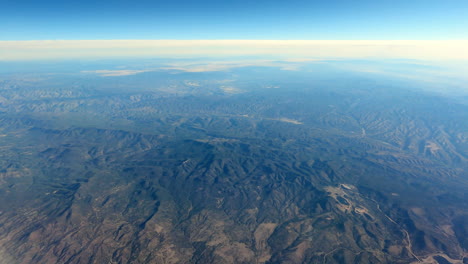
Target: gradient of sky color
<point x="218" y="19"/>
<point x="273" y="49"/>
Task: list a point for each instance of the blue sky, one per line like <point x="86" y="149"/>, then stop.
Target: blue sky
<point x="255" y="19"/>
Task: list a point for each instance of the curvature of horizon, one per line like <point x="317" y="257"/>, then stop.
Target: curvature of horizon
<point x="291" y="49"/>
<point x="401" y="29"/>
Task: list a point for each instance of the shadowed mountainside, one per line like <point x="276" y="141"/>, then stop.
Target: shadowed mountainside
<point x="294" y="174"/>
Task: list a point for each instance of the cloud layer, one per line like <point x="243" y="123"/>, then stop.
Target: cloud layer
<point x="97" y="49"/>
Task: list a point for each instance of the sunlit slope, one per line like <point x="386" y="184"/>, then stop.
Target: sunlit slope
<point x="185" y="170"/>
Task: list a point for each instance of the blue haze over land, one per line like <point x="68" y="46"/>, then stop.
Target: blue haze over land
<point x="233" y="131"/>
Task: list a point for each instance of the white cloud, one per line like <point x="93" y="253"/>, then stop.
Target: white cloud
<point x="298" y="49"/>
<point x="115" y="72"/>
<point x="207" y="66"/>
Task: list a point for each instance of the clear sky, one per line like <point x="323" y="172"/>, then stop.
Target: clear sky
<point x="227" y="19"/>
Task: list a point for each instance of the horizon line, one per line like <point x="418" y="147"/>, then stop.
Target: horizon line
<point x="63" y="49"/>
